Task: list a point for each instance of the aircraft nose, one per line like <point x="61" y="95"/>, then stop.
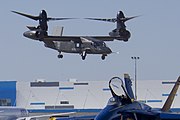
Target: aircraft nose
<point x="110" y="51"/>
<point x="26" y="34"/>
<point x="29" y="34"/>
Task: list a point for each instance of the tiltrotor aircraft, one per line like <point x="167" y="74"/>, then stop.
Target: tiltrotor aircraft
<point x="82" y="45"/>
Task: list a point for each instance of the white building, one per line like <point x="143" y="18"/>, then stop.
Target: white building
<point x="85" y="95"/>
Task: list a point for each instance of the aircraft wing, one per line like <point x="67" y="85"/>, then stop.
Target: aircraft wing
<point x="79" y="38"/>
<point x="41" y="116"/>
<point x="169" y="116"/>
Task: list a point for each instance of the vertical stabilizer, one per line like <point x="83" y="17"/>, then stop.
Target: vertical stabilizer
<point x="171" y="96"/>
<point x="57" y="31"/>
<point x="128" y="85"/>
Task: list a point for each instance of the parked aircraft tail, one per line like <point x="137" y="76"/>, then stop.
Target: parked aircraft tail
<point x="171" y="96"/>
<point x="128" y="85"/>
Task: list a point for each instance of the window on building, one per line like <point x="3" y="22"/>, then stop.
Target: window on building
<point x="80" y="83"/>
<point x="5" y="102"/>
<point x="64" y="102"/>
<point x="44" y="84"/>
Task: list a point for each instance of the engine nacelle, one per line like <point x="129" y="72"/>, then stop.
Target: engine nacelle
<point x="35" y="34"/>
<point x="123" y="33"/>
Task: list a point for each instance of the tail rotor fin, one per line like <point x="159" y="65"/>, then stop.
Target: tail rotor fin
<point x="171" y="96"/>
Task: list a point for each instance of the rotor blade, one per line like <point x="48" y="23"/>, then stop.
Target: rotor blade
<point x="113" y="19"/>
<point x="128" y="18"/>
<point x="103" y="19"/>
<point x="60" y="18"/>
<point x="26" y="15"/>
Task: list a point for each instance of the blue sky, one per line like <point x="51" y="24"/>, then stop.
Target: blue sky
<point x="154" y="38"/>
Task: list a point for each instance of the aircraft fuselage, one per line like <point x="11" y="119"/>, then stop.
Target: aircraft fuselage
<point x="90" y="48"/>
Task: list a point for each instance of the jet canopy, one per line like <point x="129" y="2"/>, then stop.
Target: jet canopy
<point x="116" y="86"/>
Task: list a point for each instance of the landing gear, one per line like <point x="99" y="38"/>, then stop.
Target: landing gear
<point x="60" y="55"/>
<point x="103" y="57"/>
<point x="83" y="55"/>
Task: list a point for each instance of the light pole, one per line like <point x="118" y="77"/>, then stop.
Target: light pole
<point x="135" y="74"/>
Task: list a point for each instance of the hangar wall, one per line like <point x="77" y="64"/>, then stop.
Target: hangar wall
<point x="63" y="94"/>
<point x="68" y="95"/>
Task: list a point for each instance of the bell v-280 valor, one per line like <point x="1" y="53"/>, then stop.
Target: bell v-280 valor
<point x="82" y="45"/>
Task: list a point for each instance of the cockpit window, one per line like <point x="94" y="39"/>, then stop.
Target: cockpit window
<point x="99" y="43"/>
<point x="117" y="86"/>
<point x="104" y="44"/>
